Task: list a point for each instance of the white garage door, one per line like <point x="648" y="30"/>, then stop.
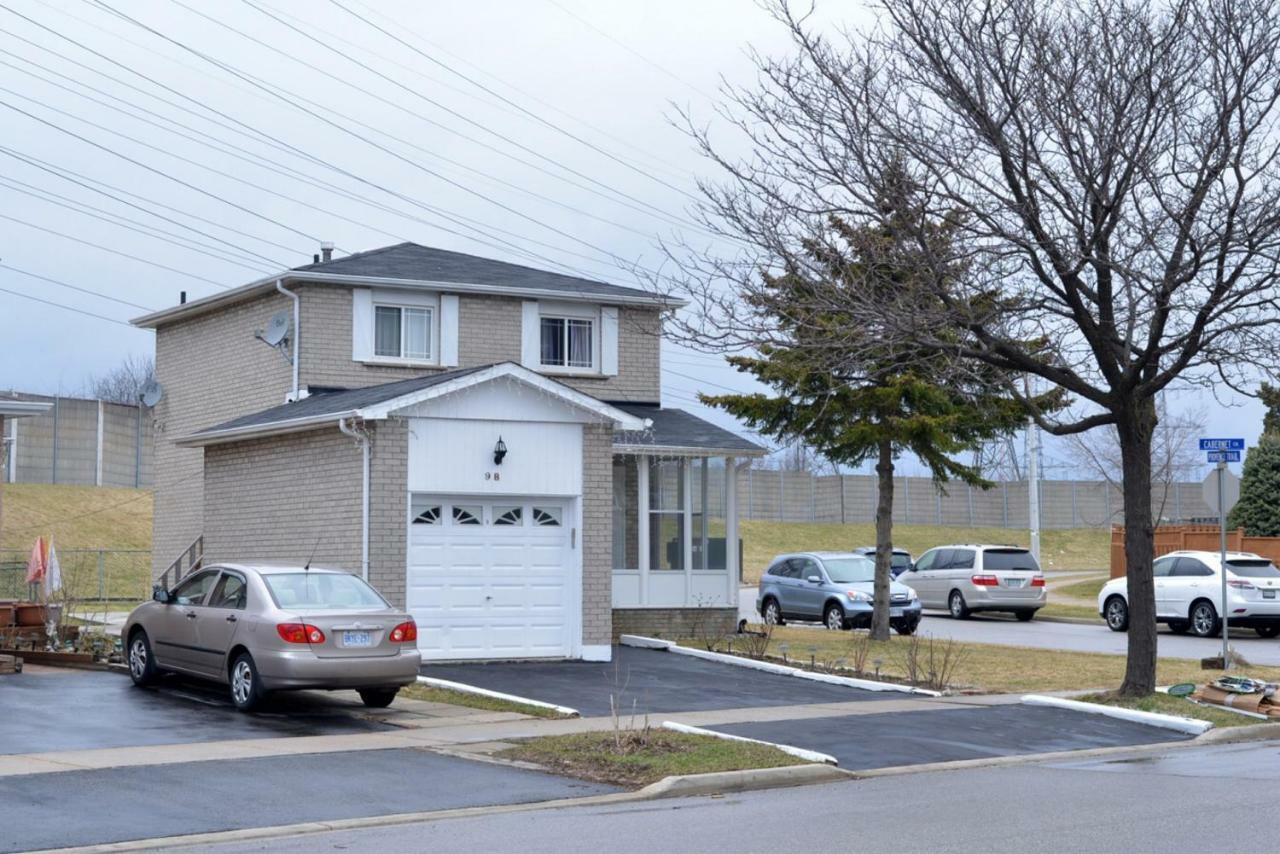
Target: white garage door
<point x="490" y="578"/>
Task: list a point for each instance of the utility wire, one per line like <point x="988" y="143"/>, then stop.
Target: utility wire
<point x="74" y="287"/>
<point x="525" y="110"/>
<point x="68" y="308"/>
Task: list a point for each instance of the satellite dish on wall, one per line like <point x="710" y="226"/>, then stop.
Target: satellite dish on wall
<point x="277" y="329"/>
<point x="151" y="394"/>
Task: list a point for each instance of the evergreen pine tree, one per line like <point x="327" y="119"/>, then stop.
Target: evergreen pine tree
<point x="1258" y="510"/>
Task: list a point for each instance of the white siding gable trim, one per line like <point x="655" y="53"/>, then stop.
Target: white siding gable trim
<point x="609" y="340"/>
<point x="361" y="324"/>
<point x="530" y="340"/>
<point x="449" y="330"/>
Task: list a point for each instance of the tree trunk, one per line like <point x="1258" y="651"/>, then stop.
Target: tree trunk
<point x="884" y="542"/>
<point x="1136" y="425"/>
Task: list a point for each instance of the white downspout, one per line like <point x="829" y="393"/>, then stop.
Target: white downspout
<point x="362" y="439"/>
<point x="297" y="337"/>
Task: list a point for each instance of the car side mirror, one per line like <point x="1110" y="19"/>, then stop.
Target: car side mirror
<point x="814" y="579"/>
<point x="161" y="595"/>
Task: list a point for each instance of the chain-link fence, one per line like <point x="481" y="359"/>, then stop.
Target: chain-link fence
<point x="92" y="579"/>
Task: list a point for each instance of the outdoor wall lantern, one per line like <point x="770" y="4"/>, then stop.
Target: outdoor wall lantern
<point x="499" y="451"/>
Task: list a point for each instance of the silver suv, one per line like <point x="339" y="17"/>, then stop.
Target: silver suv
<point x="966" y="578"/>
<point x="837" y="588"/>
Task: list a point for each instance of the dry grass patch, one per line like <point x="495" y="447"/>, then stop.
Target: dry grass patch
<point x="1074" y="549"/>
<point x="431" y="694"/>
<point x="644" y="757"/>
<point x="78" y="517"/>
<point x="994" y="669"/>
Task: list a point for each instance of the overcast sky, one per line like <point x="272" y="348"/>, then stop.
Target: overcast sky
<point x="266" y="156"/>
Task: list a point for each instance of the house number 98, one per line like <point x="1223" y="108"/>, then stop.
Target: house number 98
<point x="493" y="475"/>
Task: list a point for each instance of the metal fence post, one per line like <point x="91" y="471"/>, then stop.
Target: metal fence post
<point x="102" y="575"/>
<point x="782" y="495"/>
<point x="750" y="495"/>
<point x="969" y="496"/>
<point x="937" y="502"/>
<point x="906" y="500"/>
<point x="1004" y="497"/>
<point x="813" y="498"/>
<point x="56" y="406"/>
<point x="1075" y="511"/>
<point x="842" y="519"/>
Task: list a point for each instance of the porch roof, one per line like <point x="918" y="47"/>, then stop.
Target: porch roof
<point x="676" y="432"/>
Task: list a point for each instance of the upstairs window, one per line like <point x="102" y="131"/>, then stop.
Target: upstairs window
<point x="402" y="332"/>
<point x="568" y="342"/>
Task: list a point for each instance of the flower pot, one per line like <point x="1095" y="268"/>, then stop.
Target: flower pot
<point x="35" y="614"/>
<point x="6" y="614"/>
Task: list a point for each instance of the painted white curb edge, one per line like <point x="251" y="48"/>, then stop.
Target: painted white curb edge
<point x="1193" y="726"/>
<point x="771" y="667"/>
<point x="497" y="695"/>
<point x="798" y="752"/>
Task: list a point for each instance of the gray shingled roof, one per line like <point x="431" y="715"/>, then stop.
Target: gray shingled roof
<point x="335" y="402"/>
<point x="675" y="428"/>
<point x="424" y="263"/>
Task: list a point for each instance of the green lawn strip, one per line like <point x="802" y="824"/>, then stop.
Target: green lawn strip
<point x="1164" y="704"/>
<point x="1059" y="549"/>
<point x="1059" y="609"/>
<point x="1087" y="589"/>
<point x="431" y="694"/>
<point x="643" y="758"/>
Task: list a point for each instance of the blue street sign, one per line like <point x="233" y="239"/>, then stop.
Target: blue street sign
<point x="1222" y="445"/>
<point x="1224" y="456"/>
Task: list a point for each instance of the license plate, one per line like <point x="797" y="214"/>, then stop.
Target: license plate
<point x="1015" y="582"/>
<point x="1268" y="594"/>
<point x="357" y="639"/>
<point x="895" y="612"/>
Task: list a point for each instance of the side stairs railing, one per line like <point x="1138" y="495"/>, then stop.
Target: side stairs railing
<point x="188" y="562"/>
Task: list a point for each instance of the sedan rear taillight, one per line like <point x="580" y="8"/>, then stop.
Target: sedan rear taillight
<point x="985" y="581"/>
<point x="299" y="633"/>
<point x="405" y="632"/>
<point x="1038" y="581"/>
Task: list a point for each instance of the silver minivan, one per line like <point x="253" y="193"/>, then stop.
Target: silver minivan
<point x="966" y="578"/>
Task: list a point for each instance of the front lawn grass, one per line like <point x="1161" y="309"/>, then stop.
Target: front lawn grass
<point x="643" y="758"/>
<point x="995" y="669"/>
<point x="1083" y="548"/>
<point x="1063" y="609"/>
<point x="1164" y="704"/>
<point x="432" y="694"/>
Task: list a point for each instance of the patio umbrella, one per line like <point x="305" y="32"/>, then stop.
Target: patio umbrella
<point x="52" y="573"/>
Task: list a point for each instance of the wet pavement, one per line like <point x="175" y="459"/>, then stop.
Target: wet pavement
<point x="862" y="742"/>
<point x="648" y="681"/>
<point x="74" y="711"/>
<point x="119" y="804"/>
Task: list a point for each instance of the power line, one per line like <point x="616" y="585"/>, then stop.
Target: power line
<point x="74" y="287"/>
<point x="646" y="60"/>
<point x="508" y="101"/>
<point x="68" y="308"/>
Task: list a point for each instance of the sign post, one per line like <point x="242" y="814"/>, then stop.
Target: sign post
<point x="1222" y="489"/>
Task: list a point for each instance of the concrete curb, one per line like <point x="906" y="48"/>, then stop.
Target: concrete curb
<point x="742" y="781"/>
<point x="798" y="752"/>
<point x="496" y="695"/>
<point x="769" y="667"/>
<point x="1191" y="726"/>
<point x="1234" y="734"/>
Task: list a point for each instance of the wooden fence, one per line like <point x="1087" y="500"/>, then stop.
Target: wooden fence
<point x="1173" y="538"/>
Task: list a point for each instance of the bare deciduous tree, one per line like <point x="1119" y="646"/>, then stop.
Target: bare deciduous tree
<point x="1110" y="166"/>
<point x="124" y="382"/>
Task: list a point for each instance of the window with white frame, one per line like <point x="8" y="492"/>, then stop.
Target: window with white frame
<point x="403" y="332"/>
<point x="567" y="340"/>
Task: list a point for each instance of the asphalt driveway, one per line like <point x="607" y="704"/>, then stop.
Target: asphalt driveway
<point x="861" y="742"/>
<point x="118" y="804"/>
<point x="648" y="681"/>
<point x="75" y="711"/>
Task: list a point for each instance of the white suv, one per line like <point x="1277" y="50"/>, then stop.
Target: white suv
<point x="1189" y="594"/>
<point x="968" y="578"/>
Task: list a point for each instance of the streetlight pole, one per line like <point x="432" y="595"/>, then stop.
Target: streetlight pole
<point x="1222" y="561"/>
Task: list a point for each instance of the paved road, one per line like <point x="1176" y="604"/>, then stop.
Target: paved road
<point x="1145" y="804"/>
<point x="116" y="804"/>
<point x="1044" y="634"/>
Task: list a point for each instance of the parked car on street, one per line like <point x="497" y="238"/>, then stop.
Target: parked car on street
<point x="834" y="587"/>
<point x="968" y="578"/>
<point x="899" y="559"/>
<point x="1189" y="594"/>
<point x="259" y="629"/>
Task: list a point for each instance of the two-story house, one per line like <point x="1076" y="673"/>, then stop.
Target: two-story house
<point x="482" y="441"/>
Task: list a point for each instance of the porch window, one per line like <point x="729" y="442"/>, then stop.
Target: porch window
<point x="626" y="523"/>
<point x="666" y="514"/>
<point x="708" y="518"/>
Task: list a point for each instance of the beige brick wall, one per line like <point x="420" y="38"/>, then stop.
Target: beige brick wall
<point x="674" y="623"/>
<point x="597" y="534"/>
<point x="389" y="508"/>
<point x="212" y="369"/>
<point x="276" y="499"/>
<point x="488" y="331"/>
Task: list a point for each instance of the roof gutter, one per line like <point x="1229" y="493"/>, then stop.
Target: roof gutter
<point x="178" y="312"/>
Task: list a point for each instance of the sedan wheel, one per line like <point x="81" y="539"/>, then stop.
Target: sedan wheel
<point x="1117" y="614"/>
<point x="834" y="618"/>
<point x="246" y="692"/>
<point x="1204" y="620"/>
<point x="142" y="667"/>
